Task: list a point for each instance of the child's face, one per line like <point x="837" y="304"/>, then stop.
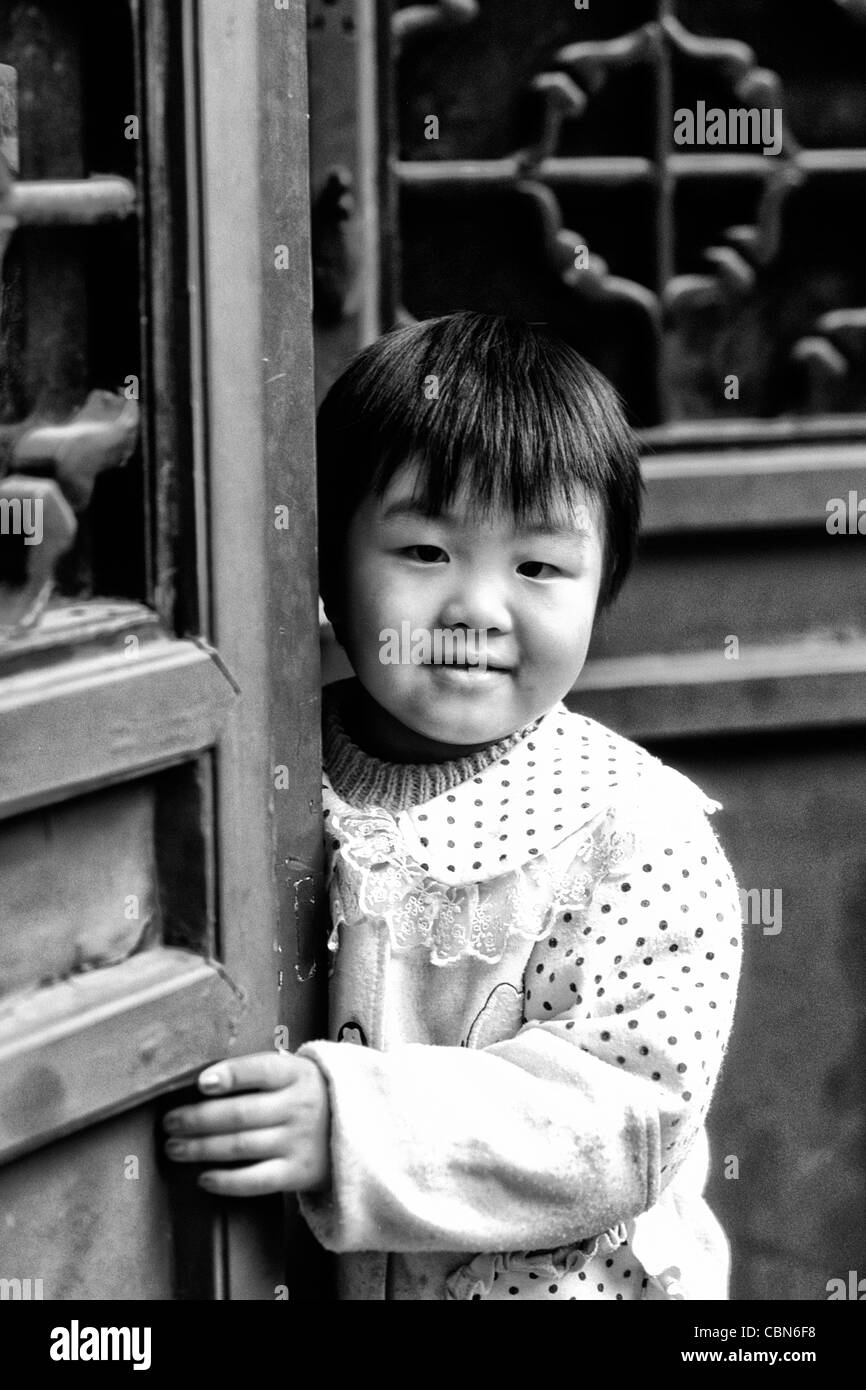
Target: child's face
<point x="527" y="597"/>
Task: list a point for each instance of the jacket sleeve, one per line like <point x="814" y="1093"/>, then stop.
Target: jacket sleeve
<point x="581" y="1119"/>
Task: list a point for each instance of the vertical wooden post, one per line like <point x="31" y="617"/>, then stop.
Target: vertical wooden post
<point x="257" y="343"/>
<point x="345" y="179"/>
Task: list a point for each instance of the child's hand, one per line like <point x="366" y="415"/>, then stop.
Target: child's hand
<point x="281" y="1129"/>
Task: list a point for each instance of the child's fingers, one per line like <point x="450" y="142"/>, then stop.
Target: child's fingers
<point x="230" y="1148"/>
<point x="255" y="1111"/>
<point x="274" y="1175"/>
<point x="261" y="1071"/>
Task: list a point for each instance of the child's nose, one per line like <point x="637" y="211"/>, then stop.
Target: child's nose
<point x="476" y="602"/>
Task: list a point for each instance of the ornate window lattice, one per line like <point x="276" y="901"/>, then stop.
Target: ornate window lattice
<point x="70" y="367"/>
<point x="722" y="288"/>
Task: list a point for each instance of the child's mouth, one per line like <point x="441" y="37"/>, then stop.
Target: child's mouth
<point x="463" y="674"/>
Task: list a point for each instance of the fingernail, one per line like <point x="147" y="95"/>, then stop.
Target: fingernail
<point x="211" y="1081"/>
<point x="171" y="1124"/>
<point x="175" y="1147"/>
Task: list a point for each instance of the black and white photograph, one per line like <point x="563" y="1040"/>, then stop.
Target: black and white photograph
<point x="432" y="668"/>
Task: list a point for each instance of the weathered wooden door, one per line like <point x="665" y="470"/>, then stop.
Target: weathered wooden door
<point x="159" y="746"/>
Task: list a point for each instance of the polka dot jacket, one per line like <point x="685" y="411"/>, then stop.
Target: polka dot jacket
<point x="537" y="971"/>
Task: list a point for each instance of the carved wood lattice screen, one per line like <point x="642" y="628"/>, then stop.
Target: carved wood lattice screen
<point x="703" y="262"/>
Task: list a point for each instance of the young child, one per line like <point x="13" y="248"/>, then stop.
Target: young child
<point x="535" y="934"/>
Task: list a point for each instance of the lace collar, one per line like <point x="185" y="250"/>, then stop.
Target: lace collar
<point x="503" y="852"/>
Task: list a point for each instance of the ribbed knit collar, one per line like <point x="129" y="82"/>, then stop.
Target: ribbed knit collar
<point x="362" y="780"/>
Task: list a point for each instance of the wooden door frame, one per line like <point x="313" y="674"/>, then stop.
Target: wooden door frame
<point x="254" y="337"/>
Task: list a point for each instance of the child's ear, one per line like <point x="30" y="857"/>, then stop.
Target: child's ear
<point x="336" y="665"/>
<point x="329" y="624"/>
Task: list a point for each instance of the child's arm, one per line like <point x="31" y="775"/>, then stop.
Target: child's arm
<point x="574" y="1124"/>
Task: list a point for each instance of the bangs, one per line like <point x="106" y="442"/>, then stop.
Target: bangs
<point x="487" y="404"/>
<point x="496" y="409"/>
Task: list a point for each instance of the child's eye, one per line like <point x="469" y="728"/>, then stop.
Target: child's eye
<point x="428" y="554"/>
<point x="537" y="565"/>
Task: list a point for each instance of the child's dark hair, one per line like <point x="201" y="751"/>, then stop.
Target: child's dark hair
<point x="491" y="401"/>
